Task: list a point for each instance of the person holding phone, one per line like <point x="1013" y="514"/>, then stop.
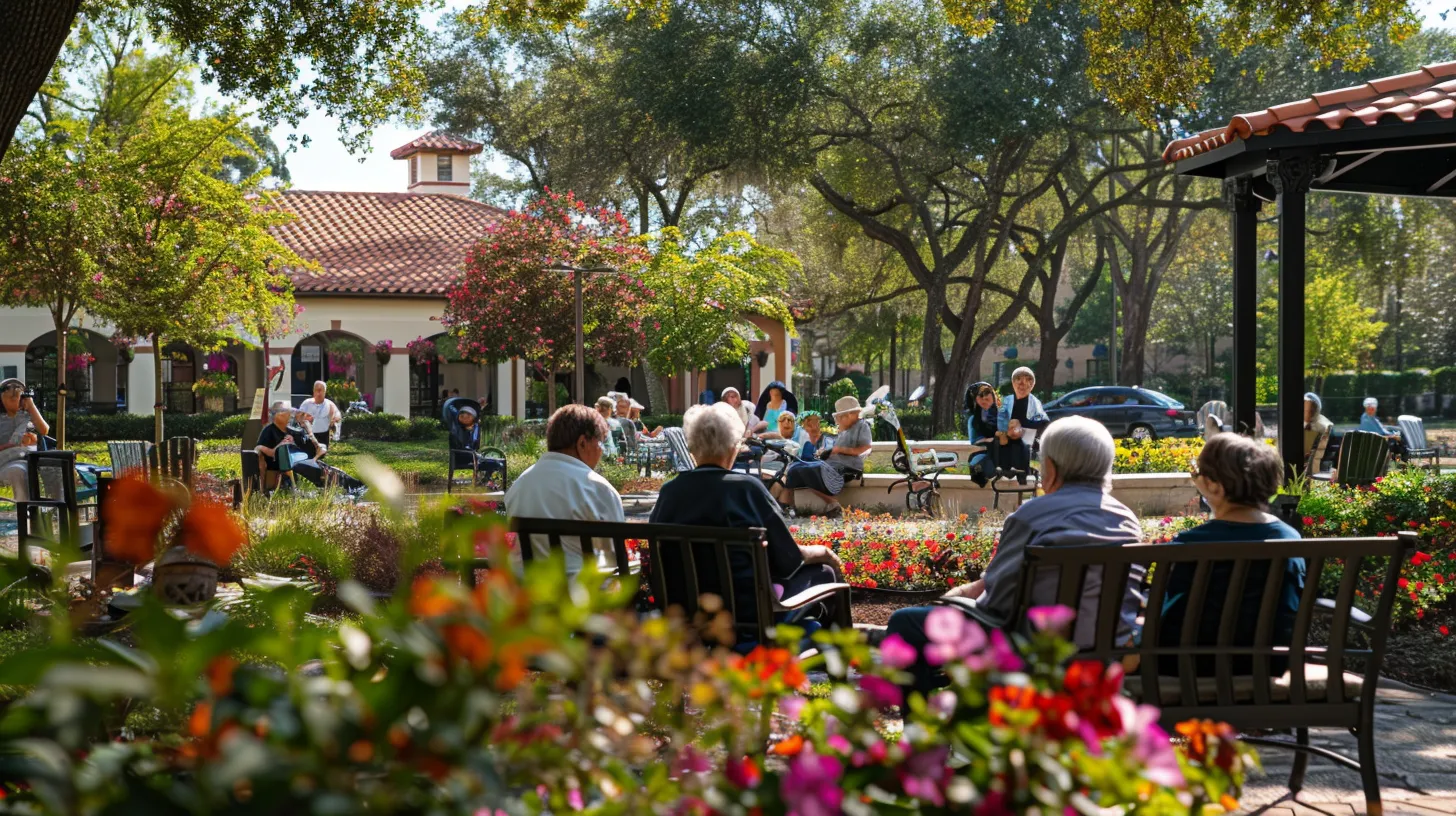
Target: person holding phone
<point x="21" y="427"/>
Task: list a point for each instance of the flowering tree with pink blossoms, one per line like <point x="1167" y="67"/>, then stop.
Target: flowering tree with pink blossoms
<point x="507" y="304"/>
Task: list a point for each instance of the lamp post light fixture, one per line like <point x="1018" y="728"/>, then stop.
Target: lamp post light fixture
<point x="576" y="272"/>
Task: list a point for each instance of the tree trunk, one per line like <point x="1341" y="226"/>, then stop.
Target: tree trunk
<point x="657" y="402"/>
<point x="1046" y="363"/>
<point x="30" y="41"/>
<point x="1134" y="342"/>
<point x="550" y="392"/>
<point x="62" y="359"/>
<point x="157" y="391"/>
<point x="894" y="354"/>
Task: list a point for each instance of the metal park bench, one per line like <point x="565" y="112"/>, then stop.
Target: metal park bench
<point x="1413" y="432"/>
<point x="683" y="564"/>
<point x="1224" y="665"/>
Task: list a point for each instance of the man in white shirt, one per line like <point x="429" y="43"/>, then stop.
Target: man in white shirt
<point x="564" y="485"/>
<point x="322" y="415"/>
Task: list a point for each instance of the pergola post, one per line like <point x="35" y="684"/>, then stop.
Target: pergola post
<point x="1291" y="176"/>
<point x="1244" y="211"/>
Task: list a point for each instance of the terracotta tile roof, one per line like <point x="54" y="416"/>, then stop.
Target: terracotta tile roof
<point x="437" y="140"/>
<point x="1428" y="93"/>
<point x="382" y="243"/>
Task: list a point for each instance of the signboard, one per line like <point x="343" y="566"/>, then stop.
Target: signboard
<point x="260" y="404"/>
<point x="308" y="354"/>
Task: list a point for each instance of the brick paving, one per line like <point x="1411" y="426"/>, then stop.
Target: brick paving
<point x="1415" y="749"/>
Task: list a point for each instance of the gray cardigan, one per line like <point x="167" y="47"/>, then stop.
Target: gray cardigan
<point x="1074" y="514"/>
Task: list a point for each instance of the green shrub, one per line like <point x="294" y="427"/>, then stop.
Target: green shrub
<point x="390" y="427"/>
<point x="1340" y="385"/>
<point x="421" y="428"/>
<point x="844" y="387"/>
<point x="1444" y="381"/>
<point x="120" y="427"/>
<point x="662" y="420"/>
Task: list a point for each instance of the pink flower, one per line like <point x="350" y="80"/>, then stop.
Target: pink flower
<point x="925" y="775"/>
<point x="573" y="798"/>
<point x="1151" y="748"/>
<point x="810" y="786"/>
<point x="691" y="761"/>
<point x="896" y="653"/>
<point x="879" y="692"/>
<point x="1050" y="618"/>
<point x="792" y="706"/>
<point x="952" y="636"/>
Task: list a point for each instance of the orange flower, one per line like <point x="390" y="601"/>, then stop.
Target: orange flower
<point x="466" y="643"/>
<point x="1229" y="803"/>
<point x="210" y="530"/>
<point x="220" y="675"/>
<point x="429" y="600"/>
<point x="133" y="513"/>
<point x="789" y="747"/>
<point x="200" y="723"/>
<point x="512" y="667"/>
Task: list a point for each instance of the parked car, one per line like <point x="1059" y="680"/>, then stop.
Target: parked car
<point x="1137" y="413"/>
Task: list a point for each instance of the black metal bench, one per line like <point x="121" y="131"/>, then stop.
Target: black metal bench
<point x="683" y="564"/>
<point x="1300" y="698"/>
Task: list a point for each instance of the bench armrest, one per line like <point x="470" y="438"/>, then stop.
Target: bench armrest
<point x="811" y="595"/>
<point x="1326" y="606"/>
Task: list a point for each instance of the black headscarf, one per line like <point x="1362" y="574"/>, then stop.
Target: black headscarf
<point x="790" y="401"/>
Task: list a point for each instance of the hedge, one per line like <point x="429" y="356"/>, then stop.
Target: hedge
<point x="1444" y="380"/>
<point x="396" y="428"/>
<point x="662" y="420"/>
<point x="121" y="427"/>
<point x="843" y="387"/>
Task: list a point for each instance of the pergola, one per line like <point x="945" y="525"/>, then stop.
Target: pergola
<point x="1390" y="136"/>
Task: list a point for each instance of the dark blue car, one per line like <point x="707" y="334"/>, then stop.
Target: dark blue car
<point x="1136" y="413"/>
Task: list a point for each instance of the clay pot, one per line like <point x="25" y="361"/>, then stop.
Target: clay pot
<point x="183" y="579"/>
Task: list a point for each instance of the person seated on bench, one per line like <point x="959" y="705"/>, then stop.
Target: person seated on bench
<point x="981" y="430"/>
<point x="301" y="452"/>
<point x="1236" y="476"/>
<point x="629" y="413"/>
<point x="605" y="406"/>
<point x="1316" y="431"/>
<point x="21" y="427"/>
<point x="714" y="495"/>
<point x="751" y="423"/>
<point x="563" y="484"/>
<point x="1078" y="509"/>
<point x="1020" y="411"/>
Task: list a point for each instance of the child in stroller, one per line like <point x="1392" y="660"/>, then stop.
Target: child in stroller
<point x="462" y="420"/>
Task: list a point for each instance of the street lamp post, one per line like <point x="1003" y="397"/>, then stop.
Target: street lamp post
<point x="576" y="272"/>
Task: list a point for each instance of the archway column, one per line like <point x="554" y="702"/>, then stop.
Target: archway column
<point x="396" y="396"/>
<point x="13" y="357"/>
<point x="141" y="381"/>
<point x="510" y="391"/>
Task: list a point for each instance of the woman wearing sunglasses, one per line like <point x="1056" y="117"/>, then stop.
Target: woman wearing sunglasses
<point x="21" y="427"/>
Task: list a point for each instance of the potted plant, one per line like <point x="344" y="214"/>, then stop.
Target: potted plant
<point x="125" y="348"/>
<point x="212" y="388"/>
<point x="383" y="350"/>
<point x="342" y="391"/>
<point x="423" y="352"/>
<point x="204" y="536"/>
<point x="344" y="356"/>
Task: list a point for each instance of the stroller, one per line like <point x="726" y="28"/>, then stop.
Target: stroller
<point x="919" y="470"/>
<point x="466" y="452"/>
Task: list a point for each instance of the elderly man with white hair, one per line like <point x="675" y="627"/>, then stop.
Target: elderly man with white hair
<point x="323" y="416"/>
<point x="1078" y="509"/>
<point x="714" y="495"/>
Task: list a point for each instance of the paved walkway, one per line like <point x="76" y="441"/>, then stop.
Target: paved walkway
<point x="1415" y="747"/>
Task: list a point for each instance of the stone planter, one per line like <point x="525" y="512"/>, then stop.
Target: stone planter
<point x="212" y="405"/>
<point x="183" y="579"/>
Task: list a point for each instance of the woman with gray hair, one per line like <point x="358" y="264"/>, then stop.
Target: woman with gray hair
<point x="1078" y="509"/>
<point x="714" y="495"/>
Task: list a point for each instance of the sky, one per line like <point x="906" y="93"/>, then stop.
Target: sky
<point x="326" y="165"/>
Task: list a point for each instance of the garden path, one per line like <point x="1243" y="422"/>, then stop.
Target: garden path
<point x="1415" y="746"/>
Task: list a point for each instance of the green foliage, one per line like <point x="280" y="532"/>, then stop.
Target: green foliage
<point x="340" y="390"/>
<point x="215" y="384"/>
<point x="697" y="302"/>
<point x="1339" y="331"/>
<point x="118" y="427"/>
<point x="843" y="387"/>
<point x="396" y="428"/>
<point x="662" y="420"/>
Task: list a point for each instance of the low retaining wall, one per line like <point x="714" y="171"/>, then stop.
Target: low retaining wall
<point x="1147" y="494"/>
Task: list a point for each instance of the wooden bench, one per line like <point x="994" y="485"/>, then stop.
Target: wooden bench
<point x="1300" y="698"/>
<point x="683" y="564"/>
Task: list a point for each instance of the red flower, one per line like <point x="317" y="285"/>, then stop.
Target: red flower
<point x="1402" y="583"/>
<point x="1445" y="631"/>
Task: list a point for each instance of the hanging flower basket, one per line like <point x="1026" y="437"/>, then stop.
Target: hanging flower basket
<point x="423" y="352"/>
<point x="215" y="385"/>
<point x="383" y="350"/>
<point x="78" y="363"/>
<point x="125" y="348"/>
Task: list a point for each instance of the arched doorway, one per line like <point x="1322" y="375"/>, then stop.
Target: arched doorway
<point x="338" y="358"/>
<point x="180" y="369"/>
<point x="216" y="388"/>
<point x="92" y="376"/>
<point x="437" y="372"/>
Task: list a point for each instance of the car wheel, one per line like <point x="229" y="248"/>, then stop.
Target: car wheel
<point x="1142" y="433"/>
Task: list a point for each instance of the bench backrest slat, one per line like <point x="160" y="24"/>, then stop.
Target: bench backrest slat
<point x="1152" y="630"/>
<point x="1227" y="624"/>
<point x="1264" y="631"/>
<point x="1197" y="595"/>
<point x="1299" y="643"/>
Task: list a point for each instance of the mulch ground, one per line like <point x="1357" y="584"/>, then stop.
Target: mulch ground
<point x="877" y="613"/>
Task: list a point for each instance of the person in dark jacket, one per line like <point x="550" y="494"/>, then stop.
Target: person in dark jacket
<point x="713" y="495"/>
<point x="981" y="430"/>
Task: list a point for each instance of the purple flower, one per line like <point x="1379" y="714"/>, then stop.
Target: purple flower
<point x="896" y="653"/>
<point x="691" y="761"/>
<point x="810" y="785"/>
<point x="879" y="692"/>
<point x="924" y="775"/>
<point x="1050" y="618"/>
<point x="952" y="636"/>
<point x="791" y="706"/>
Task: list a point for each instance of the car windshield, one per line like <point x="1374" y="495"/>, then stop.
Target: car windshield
<point x="1159" y="399"/>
